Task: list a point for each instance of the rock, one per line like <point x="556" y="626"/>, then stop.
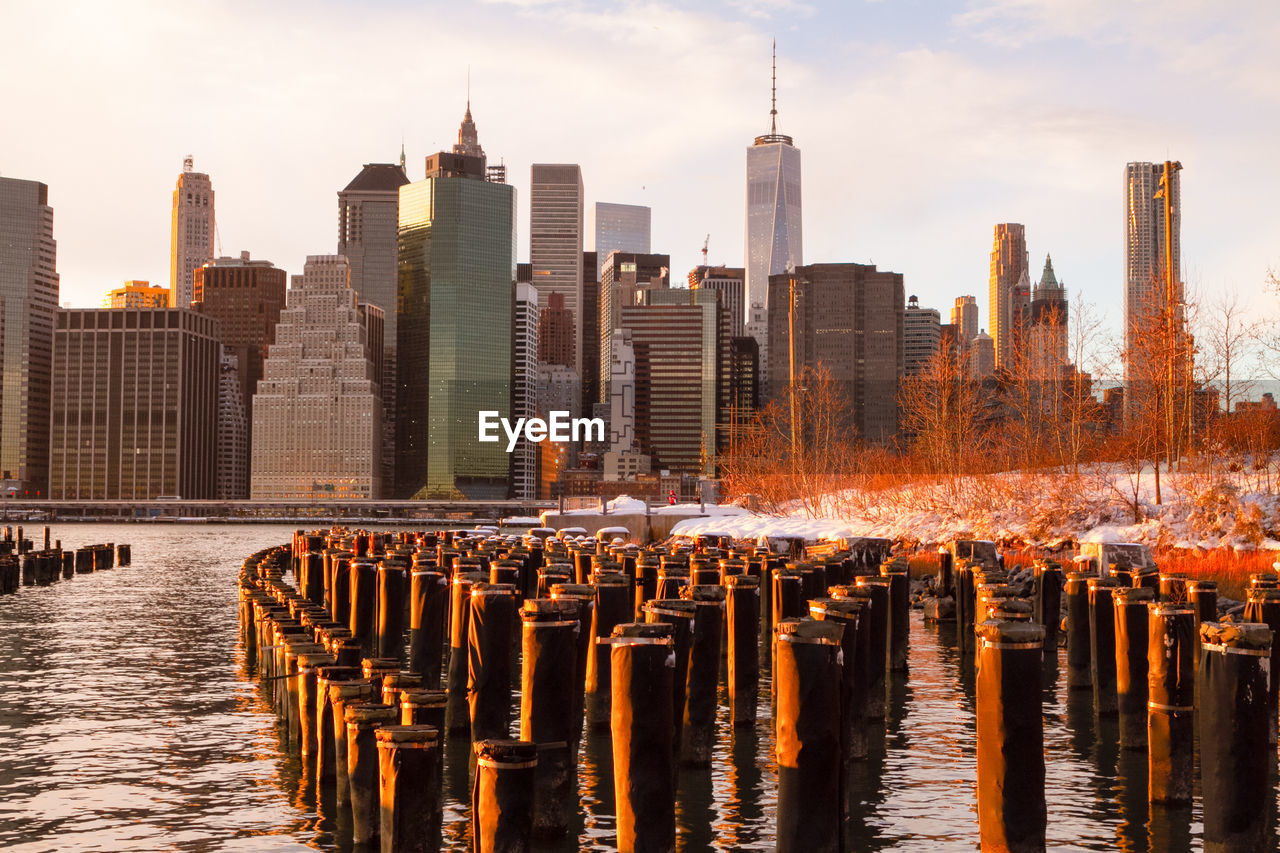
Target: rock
<point x="940" y="609"/>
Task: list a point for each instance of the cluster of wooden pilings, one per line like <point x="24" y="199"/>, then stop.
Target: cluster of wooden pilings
<point x="377" y="646"/>
<point x="391" y="642"/>
<point x="21" y="564"/>
<point x="1152" y="651"/>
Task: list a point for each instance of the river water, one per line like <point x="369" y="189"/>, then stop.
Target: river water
<point x="129" y="721"/>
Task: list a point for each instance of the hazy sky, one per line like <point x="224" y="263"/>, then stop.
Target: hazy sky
<point x="922" y="124"/>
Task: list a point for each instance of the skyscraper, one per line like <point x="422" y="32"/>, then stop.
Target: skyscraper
<point x="245" y="297"/>
<point x="624" y="274"/>
<point x="135" y="395"/>
<point x="922" y="331"/>
<point x="1009" y="293"/>
<point x="555" y="240"/>
<point x="848" y="319"/>
<point x="730" y="282"/>
<point x="524" y="389"/>
<point x="192" y="236"/>
<point x="1047" y="337"/>
<point x="1144" y="246"/>
<point x="964" y="314"/>
<point x="316" y="414"/>
<point x="368" y="222"/>
<point x="774" y="233"/>
<point x="621" y="228"/>
<point x="28" y="299"/>
<point x="454" y="330"/>
<point x="678" y="347"/>
<point x="232" y="432"/>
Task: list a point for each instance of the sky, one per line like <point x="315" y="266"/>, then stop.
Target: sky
<point x="922" y="124"/>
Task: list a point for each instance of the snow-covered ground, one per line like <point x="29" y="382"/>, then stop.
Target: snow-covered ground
<point x="1199" y="509"/>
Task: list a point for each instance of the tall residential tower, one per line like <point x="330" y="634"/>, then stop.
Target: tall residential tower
<point x="1010" y="292"/>
<point x="1145" y="282"/>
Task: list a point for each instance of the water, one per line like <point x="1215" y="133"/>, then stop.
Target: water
<point x="129" y="721"/>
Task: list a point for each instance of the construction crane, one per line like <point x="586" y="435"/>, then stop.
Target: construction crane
<point x="705" y="244"/>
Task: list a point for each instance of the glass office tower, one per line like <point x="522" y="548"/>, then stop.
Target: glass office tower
<point x="455" y="304"/>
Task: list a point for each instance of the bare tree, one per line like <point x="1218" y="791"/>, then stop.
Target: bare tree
<point x="941" y="418"/>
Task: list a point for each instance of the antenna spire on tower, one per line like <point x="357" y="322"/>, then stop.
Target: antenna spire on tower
<point x="773" y="98"/>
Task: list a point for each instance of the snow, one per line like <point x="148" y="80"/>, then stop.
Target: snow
<point x="1104" y="533"/>
<point x="1201" y="508"/>
<point x="748" y="526"/>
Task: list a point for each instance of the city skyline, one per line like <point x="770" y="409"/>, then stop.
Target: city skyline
<point x="1052" y="160"/>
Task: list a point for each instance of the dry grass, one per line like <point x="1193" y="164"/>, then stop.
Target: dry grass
<point x="924" y="563"/>
<point x="1231" y="569"/>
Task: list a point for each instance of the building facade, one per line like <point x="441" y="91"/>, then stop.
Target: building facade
<point x="678" y="348"/>
<point x="1047" y="337"/>
<point x="555" y="240"/>
<point x="28" y="300"/>
<point x="524" y="389"/>
<point x="135" y="396"/>
<point x="232" y="432"/>
<point x="454" y="330"/>
<point x="731" y="283"/>
<point x="964" y="316"/>
<point x="982" y="356"/>
<point x="368" y="228"/>
<point x="922" y="331"/>
<point x="1145" y="252"/>
<point x="317" y="432"/>
<point x="1009" y="292"/>
<point x="193" y="231"/>
<point x="245" y="297"/>
<point x="621" y="228"/>
<point x="623" y="276"/>
<point x="555" y="331"/>
<point x="849" y="319"/>
<point x="137" y="294"/>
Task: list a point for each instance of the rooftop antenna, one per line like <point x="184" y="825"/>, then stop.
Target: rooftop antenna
<point x="468" y="89"/>
<point x="773" y="99"/>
